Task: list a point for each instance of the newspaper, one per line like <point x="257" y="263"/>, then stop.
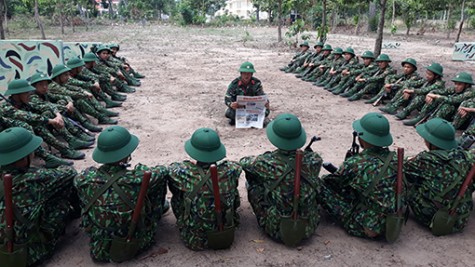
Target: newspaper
<point x="251" y="111"/>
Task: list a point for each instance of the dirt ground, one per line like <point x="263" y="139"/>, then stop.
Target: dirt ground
<point x="188" y="70"/>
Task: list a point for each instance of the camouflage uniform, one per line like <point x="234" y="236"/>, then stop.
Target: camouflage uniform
<point x="307" y="75"/>
<point x="443" y="107"/>
<point x="80" y="100"/>
<point x="436" y="177"/>
<point x="193" y="199"/>
<point x="42" y="200"/>
<point x="271" y="201"/>
<point x="104" y="81"/>
<point x="50" y="160"/>
<point x="235" y="88"/>
<point x="373" y="83"/>
<point x="349" y="196"/>
<point x="460" y="121"/>
<point x="399" y="82"/>
<point x="347" y="82"/>
<point x="417" y="99"/>
<point x="39" y="122"/>
<point x="334" y="79"/>
<point x="102" y="222"/>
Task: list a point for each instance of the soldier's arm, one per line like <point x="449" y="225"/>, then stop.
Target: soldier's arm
<point x="42" y="106"/>
<point x="457" y="98"/>
<point x="380" y="77"/>
<point x="230" y="96"/>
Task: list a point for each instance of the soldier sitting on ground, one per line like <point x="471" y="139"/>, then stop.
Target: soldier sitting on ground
<point x="245" y="85"/>
<point x="395" y="83"/>
<point x="412" y="98"/>
<point x="436" y="176"/>
<point x="109" y="194"/>
<point x="43" y="199"/>
<point x="271" y="176"/>
<point x="444" y="103"/>
<point x="361" y="193"/>
<point x="193" y="200"/>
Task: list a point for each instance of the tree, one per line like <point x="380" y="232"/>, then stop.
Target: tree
<point x="379" y="38"/>
<point x="462" y="18"/>
<point x="2" y="15"/>
<point x="38" y="21"/>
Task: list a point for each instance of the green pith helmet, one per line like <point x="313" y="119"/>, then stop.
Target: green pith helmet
<point x="337" y="51"/>
<point x="114" y="45"/>
<point x="113" y="144"/>
<point x="383" y="57"/>
<point x="368" y="54"/>
<point x="349" y="50"/>
<point x="38" y="77"/>
<point x="286" y="132"/>
<point x="436" y="68"/>
<point x="327" y="47"/>
<point x="247" y="67"/>
<point x="17" y="143"/>
<point x="89" y="57"/>
<point x="75" y="63"/>
<point x="19" y="86"/>
<point x="318" y="44"/>
<point x="438" y="132"/>
<point x="304" y="43"/>
<point x="411" y="61"/>
<point x="374" y="129"/>
<point x="103" y="47"/>
<point x="58" y="70"/>
<point x="463" y="77"/>
<point x="205" y="146"/>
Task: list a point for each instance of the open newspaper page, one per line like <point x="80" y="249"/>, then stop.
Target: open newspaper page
<point x="251" y="111"/>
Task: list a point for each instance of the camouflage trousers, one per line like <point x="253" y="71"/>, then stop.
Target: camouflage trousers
<point x="351" y="213"/>
<point x="269" y="216"/>
<point x="424" y="210"/>
<point x="459" y="121"/>
<point x="40" y="235"/>
<point x="48" y="137"/>
<point x="86" y="107"/>
<point x="370" y="88"/>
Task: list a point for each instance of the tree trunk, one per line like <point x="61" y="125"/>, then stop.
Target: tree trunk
<point x="5" y="15"/>
<point x="258" y="10"/>
<point x="111" y="10"/>
<point x="408" y="30"/>
<point x="448" y="22"/>
<point x="38" y="21"/>
<point x="279" y="28"/>
<point x="462" y="18"/>
<point x="371" y="14"/>
<point x="379" y="39"/>
<point x="333" y="19"/>
<point x="324" y="19"/>
<point x="394" y="13"/>
<point x="61" y="21"/>
<point x="2" y="30"/>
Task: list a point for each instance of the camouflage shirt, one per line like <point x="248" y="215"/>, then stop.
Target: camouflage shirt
<point x="10" y="111"/>
<point x="436" y="177"/>
<point x="350" y="196"/>
<point x="254" y="88"/>
<point x="110" y="216"/>
<point x="42" y="199"/>
<point x="270" y="201"/>
<point x="64" y="90"/>
<point x="196" y="214"/>
<point x="427" y="87"/>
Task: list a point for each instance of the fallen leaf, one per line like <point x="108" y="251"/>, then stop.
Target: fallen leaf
<point x="326" y="242"/>
<point x="257" y="241"/>
<point x="260" y="250"/>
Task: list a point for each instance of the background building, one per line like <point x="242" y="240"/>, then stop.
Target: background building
<point x="241" y="8"/>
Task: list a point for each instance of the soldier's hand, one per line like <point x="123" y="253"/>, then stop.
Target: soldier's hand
<point x="112" y="79"/>
<point x="462" y="112"/>
<point x="89" y="95"/>
<point x="97" y="87"/>
<point x="428" y="99"/>
<point x="267" y="105"/>
<point x="234" y="105"/>
<point x="311" y="64"/>
<point x="387" y="86"/>
<point x="406" y="96"/>
<point x="70" y="107"/>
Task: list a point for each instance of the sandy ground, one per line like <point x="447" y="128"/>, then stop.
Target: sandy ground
<point x="188" y="70"/>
